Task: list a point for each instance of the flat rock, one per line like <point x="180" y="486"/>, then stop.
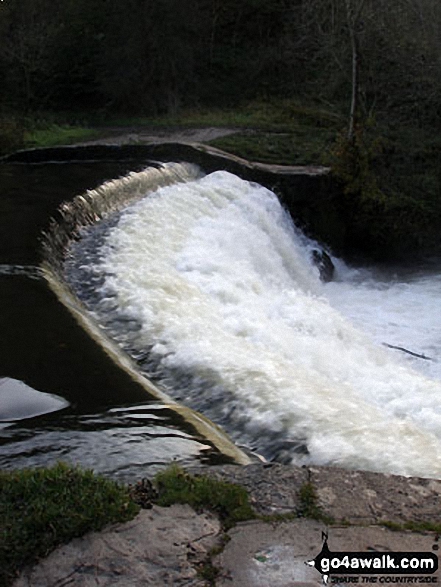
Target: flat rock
<point x="160" y="547"/>
<point x="165" y="546"/>
<point x="357" y="497"/>
<point x="273" y="488"/>
<point x="362" y="497"/>
<point x="261" y="554"/>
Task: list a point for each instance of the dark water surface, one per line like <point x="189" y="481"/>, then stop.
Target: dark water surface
<point x="111" y="424"/>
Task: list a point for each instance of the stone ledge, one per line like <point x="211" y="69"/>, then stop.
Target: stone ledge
<point x="161" y="546"/>
<point x="355" y="497"/>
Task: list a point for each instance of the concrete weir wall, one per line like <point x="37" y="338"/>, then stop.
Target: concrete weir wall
<point x="344" y="496"/>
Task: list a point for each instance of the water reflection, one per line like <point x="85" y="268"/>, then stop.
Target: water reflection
<point x="43" y="345"/>
<point x="126" y="442"/>
<point x="19" y="401"/>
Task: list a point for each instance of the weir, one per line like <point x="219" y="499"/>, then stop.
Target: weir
<point x="309" y="192"/>
<point x="326" y="411"/>
<point x="87" y="209"/>
<point x="94" y="205"/>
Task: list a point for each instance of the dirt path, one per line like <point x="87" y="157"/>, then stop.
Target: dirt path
<point x="149" y="135"/>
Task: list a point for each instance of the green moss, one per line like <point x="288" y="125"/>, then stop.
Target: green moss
<point x="412" y="526"/>
<point x="43" y="508"/>
<point x="209" y="572"/>
<point x="230" y="502"/>
<point x="309" y="507"/>
<point x="278" y="518"/>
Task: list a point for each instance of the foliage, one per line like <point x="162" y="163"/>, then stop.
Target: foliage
<point x="11" y="133"/>
<point x="42" y="508"/>
<point x="352" y="160"/>
<point x="104" y="54"/>
<point x="228" y="501"/>
<point x="309" y="507"/>
<point x="392" y="191"/>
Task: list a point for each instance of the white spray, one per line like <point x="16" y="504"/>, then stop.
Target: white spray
<point x="222" y="285"/>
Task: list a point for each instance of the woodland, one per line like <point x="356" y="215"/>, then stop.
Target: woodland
<point x="364" y="76"/>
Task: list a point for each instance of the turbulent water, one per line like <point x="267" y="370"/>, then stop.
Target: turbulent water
<point x="211" y="288"/>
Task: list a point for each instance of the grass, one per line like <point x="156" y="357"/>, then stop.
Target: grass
<point x="295" y="147"/>
<point x="309" y="507"/>
<point x="269" y="114"/>
<point x="412" y="526"/>
<point x="41" y="131"/>
<point x="283" y="131"/>
<point x="230" y="502"/>
<point x="391" y="203"/>
<point x="43" y="508"/>
<point x="54" y="134"/>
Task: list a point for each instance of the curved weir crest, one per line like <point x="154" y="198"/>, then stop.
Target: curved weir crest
<point x="209" y="286"/>
<point x="86" y="211"/>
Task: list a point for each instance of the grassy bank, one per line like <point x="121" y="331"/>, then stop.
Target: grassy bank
<point x="43" y="508"/>
<point x="54" y="134"/>
<point x="389" y="174"/>
<point x="285" y="132"/>
<point x="25" y="133"/>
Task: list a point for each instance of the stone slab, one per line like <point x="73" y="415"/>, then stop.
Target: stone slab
<point x="357" y="497"/>
<point x="273" y="488"/>
<point x="165" y="546"/>
<point x="160" y="547"/>
<point x="362" y="497"/>
<point x="274" y="555"/>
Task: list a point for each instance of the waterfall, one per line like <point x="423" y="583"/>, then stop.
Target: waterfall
<point x="210" y="288"/>
<point x="95" y="209"/>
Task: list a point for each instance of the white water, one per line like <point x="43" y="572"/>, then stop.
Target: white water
<point x="224" y="289"/>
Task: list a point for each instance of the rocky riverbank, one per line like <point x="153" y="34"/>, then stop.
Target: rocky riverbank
<point x="359" y="511"/>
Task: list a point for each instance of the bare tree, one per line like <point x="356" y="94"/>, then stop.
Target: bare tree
<point x="354" y="9"/>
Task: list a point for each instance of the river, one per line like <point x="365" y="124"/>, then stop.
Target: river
<point x="110" y="424"/>
<point x="211" y="289"/>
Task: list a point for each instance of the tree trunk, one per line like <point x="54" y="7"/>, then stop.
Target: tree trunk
<point x="355" y="89"/>
<point x="353" y="14"/>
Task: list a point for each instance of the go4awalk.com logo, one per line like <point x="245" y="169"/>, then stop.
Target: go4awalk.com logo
<point x="411" y="567"/>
